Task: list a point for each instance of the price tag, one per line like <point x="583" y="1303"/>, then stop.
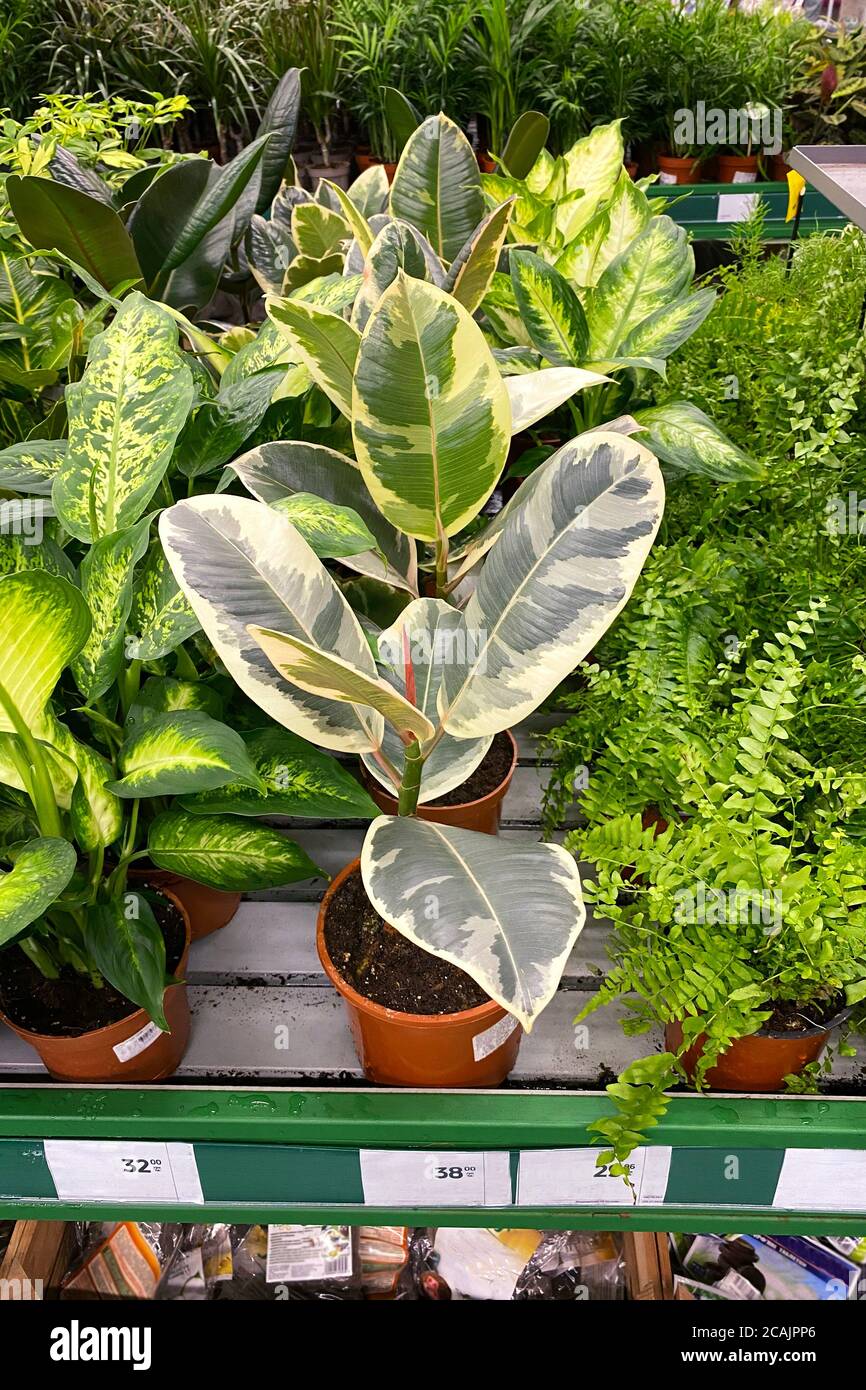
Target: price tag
<point x="736" y="207"/>
<point x="572" y="1178"/>
<point x="416" y="1178"/>
<point x="123" y="1170"/>
<point x="822" y="1180"/>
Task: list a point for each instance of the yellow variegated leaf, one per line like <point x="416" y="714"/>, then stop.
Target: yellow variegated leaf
<point x="317" y="231"/>
<point x="473" y="268"/>
<point x="46" y="622"/>
<point x="593" y="166"/>
<point x="437" y="186"/>
<point x="326" y="344"/>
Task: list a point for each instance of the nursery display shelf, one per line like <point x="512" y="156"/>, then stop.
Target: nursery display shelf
<point x="711" y="211"/>
<point x="269" y="1117"/>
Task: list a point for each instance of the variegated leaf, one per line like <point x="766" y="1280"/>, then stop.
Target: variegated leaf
<point x="95" y="814"/>
<point x="216" y="431"/>
<point x="683" y="437"/>
<point x="606" y="235"/>
<point x="226" y="852"/>
<point x="106" y="582"/>
<point x="278" y="470"/>
<point x="299" y="780"/>
<point x="501" y="309"/>
<point x="397" y="247"/>
<point x="160" y="617"/>
<point x="654" y="270"/>
<point x="360" y="227"/>
<point x="326" y="344"/>
<point x="321" y="673"/>
<point x="437" y="186"/>
<point x="531" y="217"/>
<point x="126" y="945"/>
<point x="40" y="874"/>
<point x="506" y="913"/>
<point x="669" y="327"/>
<point x="19" y="553"/>
<point x="562" y="568"/>
<point x="317" y="231"/>
<point x="431" y="634"/>
<point x="474" y="266"/>
<point x="15" y="769"/>
<point x="332" y="531"/>
<point x="124" y="417"/>
<point x="370" y="191"/>
<point x="238" y="563"/>
<point x="164" y="694"/>
<point x="46" y="623"/>
<point x="182" y="751"/>
<point x="550" y="309"/>
<point x="535" y="394"/>
<point x="431" y="419"/>
<point x="593" y="165"/>
<point x="31" y="466"/>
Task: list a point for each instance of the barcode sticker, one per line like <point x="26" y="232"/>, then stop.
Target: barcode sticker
<point x="139" y="1042"/>
<point x="299" y="1254"/>
<point x="493" y="1037"/>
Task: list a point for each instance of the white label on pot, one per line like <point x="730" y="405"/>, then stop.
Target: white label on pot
<point x="736" y="207"/>
<point x="572" y="1178"/>
<point x="666" y="178"/>
<point x="125" y="1051"/>
<point x="745" y="176"/>
<point x="444" y="1179"/>
<point x="494" y="1036"/>
<point x="822" y="1180"/>
<point x="126" y="1170"/>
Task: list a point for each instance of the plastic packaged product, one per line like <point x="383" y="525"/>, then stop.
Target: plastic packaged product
<point x="575" y="1265"/>
<point x="384" y="1255"/>
<point x="294" y="1263"/>
<point x="771" y="1268"/>
<point x="201" y="1259"/>
<point x="852" y="1247"/>
<point x="458" y="1263"/>
<point x="119" y="1261"/>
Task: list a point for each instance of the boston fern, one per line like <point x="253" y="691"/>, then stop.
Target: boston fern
<point x="747" y="903"/>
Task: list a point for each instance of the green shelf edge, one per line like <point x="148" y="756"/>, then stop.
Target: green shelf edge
<point x="818" y="215"/>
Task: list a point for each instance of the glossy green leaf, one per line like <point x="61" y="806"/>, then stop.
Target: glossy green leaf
<point x="127" y="946"/>
<point x="437" y="186"/>
<point x="227" y="853"/>
<point x="670" y="326"/>
<point x="280" y="123"/>
<point x="160" y="617"/>
<point x="370" y="191"/>
<point x="106" y="582"/>
<point x="54" y="216"/>
<point x="215" y="432"/>
<point x="525" y="143"/>
<point x="165" y="694"/>
<point x="403" y="120"/>
<point x="182" y="751"/>
<point x="40" y="873"/>
<point x="96" y="813"/>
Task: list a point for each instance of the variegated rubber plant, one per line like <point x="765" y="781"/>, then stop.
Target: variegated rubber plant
<point x="561" y="565"/>
<point x="113" y="749"/>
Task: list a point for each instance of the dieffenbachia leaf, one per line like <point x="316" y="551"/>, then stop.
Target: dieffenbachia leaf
<point x="563" y="566"/>
<point x="321" y="673"/>
<point x="160" y="617"/>
<point x="396" y="247"/>
<point x="651" y="272"/>
<point x="551" y="310"/>
<point x="437" y="186"/>
<point x="284" y="468"/>
<point x="128" y="948"/>
<point x="430" y="420"/>
<point x="506" y="913"/>
<point x="106" y="582"/>
<point x="330" y="529"/>
<point x="124" y="417"/>
<point x="15" y="769"/>
<point x="475" y="264"/>
<point x="179" y="752"/>
<point x="164" y="694"/>
<point x="326" y="344"/>
<point x="96" y="815"/>
<point x="683" y="437"/>
<point x="668" y="328"/>
<point x="432" y="634"/>
<point x="299" y="780"/>
<point x="40" y="873"/>
<point x="535" y="394"/>
<point x="501" y="309"/>
<point x="317" y="231"/>
<point x="46" y="623"/>
<point x="239" y="562"/>
<point x="606" y="234"/>
<point x="226" y="852"/>
<point x="593" y="165"/>
<point x="31" y="465"/>
<point x="219" y="427"/>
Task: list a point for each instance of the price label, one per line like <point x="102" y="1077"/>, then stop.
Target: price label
<point x="822" y="1180"/>
<point x="112" y="1170"/>
<point x="417" y="1178"/>
<point x="736" y="207"/>
<point x="574" y="1178"/>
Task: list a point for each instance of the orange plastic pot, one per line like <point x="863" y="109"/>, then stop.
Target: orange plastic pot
<point x="208" y="909"/>
<point x="737" y="168"/>
<point x="631" y="168"/>
<point x="778" y="168"/>
<point x="132" y="1049"/>
<point x="759" y="1062"/>
<point x="483" y="814"/>
<point x="477" y="1047"/>
<point x="672" y="169"/>
<point x="364" y="160"/>
<point x="486" y="163"/>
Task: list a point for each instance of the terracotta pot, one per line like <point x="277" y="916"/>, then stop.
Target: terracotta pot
<point x="364" y="160"/>
<point x="208" y="909"/>
<point x="486" y="163"/>
<point x="631" y="168"/>
<point x="93" y="1056"/>
<point x="737" y="168"/>
<point x="757" y="1063"/>
<point x="483" y="814"/>
<point x="672" y="169"/>
<point x="778" y="168"/>
<point x="399" y="1049"/>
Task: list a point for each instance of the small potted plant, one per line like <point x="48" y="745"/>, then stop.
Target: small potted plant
<point x="742" y="930"/>
<point x="375" y="41"/>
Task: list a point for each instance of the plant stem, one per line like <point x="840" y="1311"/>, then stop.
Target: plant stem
<point x="128" y="682"/>
<point x="407" y="801"/>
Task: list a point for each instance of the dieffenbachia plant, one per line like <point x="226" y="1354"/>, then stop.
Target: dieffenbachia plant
<point x="561" y="566"/>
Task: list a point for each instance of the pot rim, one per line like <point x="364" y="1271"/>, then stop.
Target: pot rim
<point x="816" y="1030"/>
<point x="480" y="1012"/>
<point x="484" y="800"/>
<point x="107" y="1027"/>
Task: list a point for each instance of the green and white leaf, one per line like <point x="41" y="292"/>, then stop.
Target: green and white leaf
<point x="160" y="617"/>
<point x="474" y="266"/>
<point x="126" y="944"/>
<point x="431" y="420"/>
<point x="40" y="874"/>
<point x="437" y="186"/>
<point x="124" y="417"/>
<point x="506" y="913"/>
<point x="396" y="247"/>
<point x="563" y="566"/>
<point x="534" y="395"/>
<point x="370" y="191"/>
<point x="239" y="562"/>
<point x="283" y="469"/>
<point x="500" y="307"/>
<point x="683" y="437"/>
<point x="182" y="751"/>
<point x="317" y="231"/>
<point x="332" y="531"/>
<point x="31" y="465"/>
<point x="654" y="270"/>
<point x="227" y="853"/>
<point x="550" y="309"/>
<point x="106" y="582"/>
<point x="299" y="780"/>
<point x="357" y="222"/>
<point x="326" y="344"/>
<point x="46" y="623"/>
